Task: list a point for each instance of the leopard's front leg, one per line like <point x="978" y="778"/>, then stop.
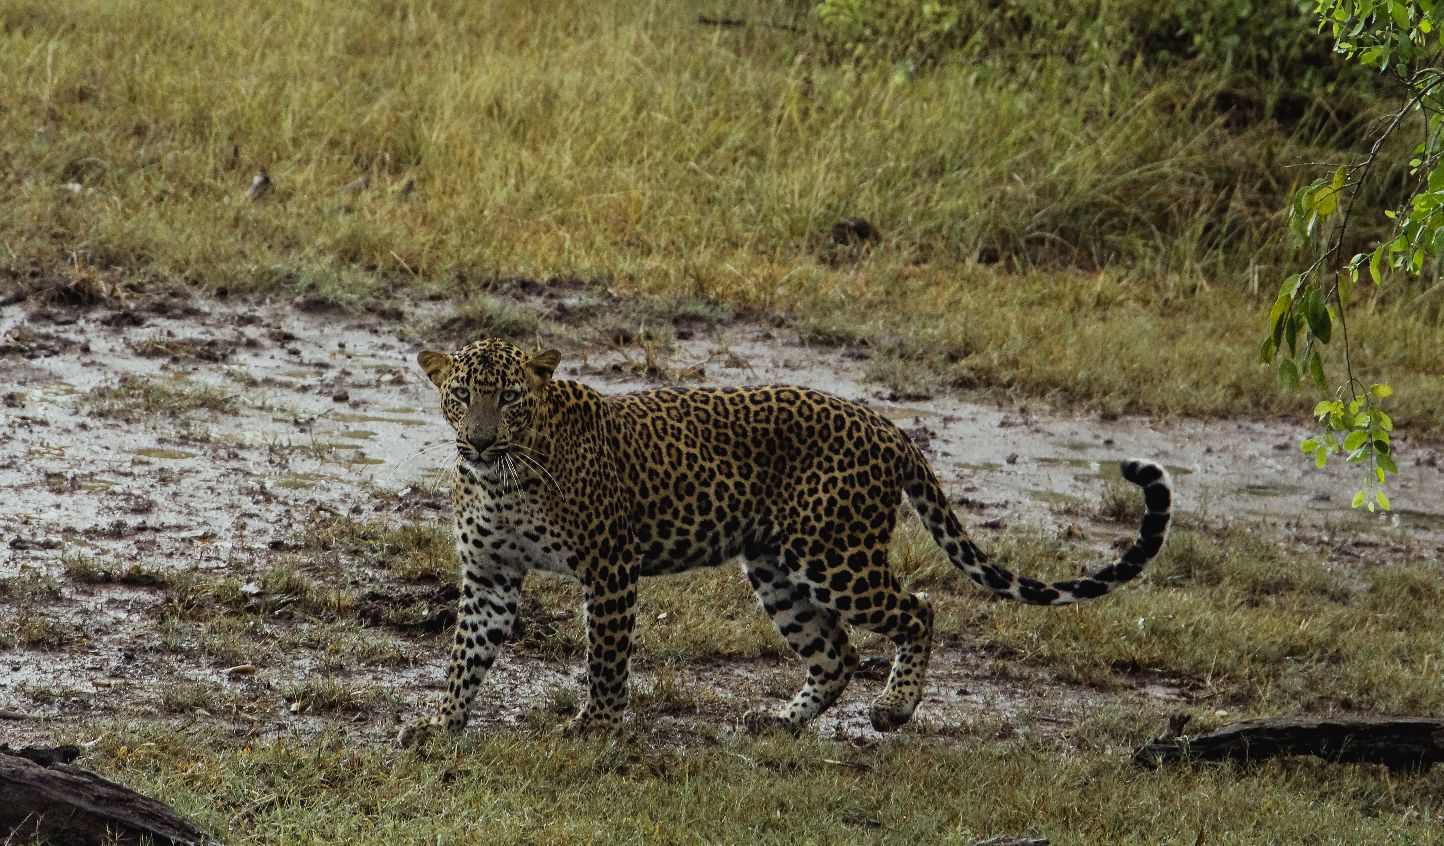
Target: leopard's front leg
<point x="610" y="596"/>
<point x="485" y="615"/>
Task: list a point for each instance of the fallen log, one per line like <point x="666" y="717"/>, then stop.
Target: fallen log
<point x="1399" y="743"/>
<point x="44" y="798"/>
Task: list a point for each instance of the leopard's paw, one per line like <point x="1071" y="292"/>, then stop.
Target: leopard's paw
<point x="417" y="732"/>
<point x="887" y="716"/>
<point x="587" y="724"/>
<point x="760" y="721"/>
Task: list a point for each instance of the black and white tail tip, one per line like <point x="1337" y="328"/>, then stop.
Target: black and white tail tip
<point x="1158" y="502"/>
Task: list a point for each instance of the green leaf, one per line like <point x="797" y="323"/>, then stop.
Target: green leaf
<point x="1309" y="445"/>
<point x="1383" y="499"/>
<point x="1386" y="464"/>
<point x="1321" y="457"/>
<point x="1316" y="370"/>
<point x="1320" y="322"/>
<point x="1374" y="261"/>
<point x="1267" y="352"/>
<point x="1281" y="307"/>
<point x="1326" y="201"/>
<point x="1289" y="373"/>
<point x="1355" y="439"/>
<point x="1358" y="499"/>
<point x="1383" y="421"/>
<point x="1381" y="391"/>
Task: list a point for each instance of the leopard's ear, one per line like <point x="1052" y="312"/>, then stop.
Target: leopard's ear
<point x="437" y="365"/>
<point x="544" y="364"/>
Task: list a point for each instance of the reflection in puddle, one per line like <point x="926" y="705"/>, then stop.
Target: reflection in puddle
<point x="323" y="446"/>
<point x="1054" y="497"/>
<point x="1272" y="489"/>
<point x="53" y="390"/>
<point x="160" y="452"/>
<point x="1105" y="469"/>
<point x="301" y="480"/>
<point x="1418" y="519"/>
<point x="371" y="418"/>
<point x="896" y="412"/>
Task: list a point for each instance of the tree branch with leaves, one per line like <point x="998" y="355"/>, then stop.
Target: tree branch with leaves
<point x="1402" y="39"/>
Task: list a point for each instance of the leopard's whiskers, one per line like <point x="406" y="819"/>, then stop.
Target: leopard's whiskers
<point x="537" y="465"/>
<point x="511" y="470"/>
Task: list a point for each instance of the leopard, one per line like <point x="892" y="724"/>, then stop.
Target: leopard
<point x="803" y="487"/>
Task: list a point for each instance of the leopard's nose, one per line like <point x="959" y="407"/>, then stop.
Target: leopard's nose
<point x="481" y="444"/>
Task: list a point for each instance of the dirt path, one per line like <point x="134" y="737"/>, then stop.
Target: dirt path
<point x="198" y="436"/>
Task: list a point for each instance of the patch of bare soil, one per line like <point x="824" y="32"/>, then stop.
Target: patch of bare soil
<point x="161" y="460"/>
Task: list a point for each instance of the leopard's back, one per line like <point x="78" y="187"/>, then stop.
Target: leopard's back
<point x="710" y="473"/>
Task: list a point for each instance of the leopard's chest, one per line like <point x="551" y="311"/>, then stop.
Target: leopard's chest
<point x="510" y="527"/>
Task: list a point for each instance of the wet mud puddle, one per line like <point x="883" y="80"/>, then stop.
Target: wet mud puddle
<point x="200" y="435"/>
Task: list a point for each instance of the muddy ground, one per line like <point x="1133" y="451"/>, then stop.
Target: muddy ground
<point x="154" y="448"/>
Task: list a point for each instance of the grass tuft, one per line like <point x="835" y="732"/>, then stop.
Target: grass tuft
<point x="136" y="397"/>
<point x="329" y="695"/>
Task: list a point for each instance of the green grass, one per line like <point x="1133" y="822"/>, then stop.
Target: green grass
<point x="42" y="633"/>
<point x="1085" y="226"/>
<point x="1241" y="623"/>
<point x="330" y="695"/>
<point x="519" y="788"/>
<point x="628" y="146"/>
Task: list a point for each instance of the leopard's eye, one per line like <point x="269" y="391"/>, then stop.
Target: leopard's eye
<point x="461" y="394"/>
<point x="509" y="395"/>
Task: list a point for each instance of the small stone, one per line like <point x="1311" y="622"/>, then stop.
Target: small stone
<point x="260" y="185"/>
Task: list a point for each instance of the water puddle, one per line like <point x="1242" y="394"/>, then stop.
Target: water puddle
<point x="1054" y="497"/>
<point x="252" y="469"/>
<point x="1104" y="468"/>
<point x="895" y="412"/>
<point x="162" y="453"/>
<point x="95" y="484"/>
<point x="1272" y="489"/>
<point x="299" y="481"/>
<point x="52" y="391"/>
<point x="1416" y="519"/>
<point x="347" y="417"/>
<point x="356" y="434"/>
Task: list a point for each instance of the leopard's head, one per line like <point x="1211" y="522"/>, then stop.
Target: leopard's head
<point x="490" y="393"/>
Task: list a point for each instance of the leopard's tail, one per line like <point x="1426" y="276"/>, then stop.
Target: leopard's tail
<point x="927" y="497"/>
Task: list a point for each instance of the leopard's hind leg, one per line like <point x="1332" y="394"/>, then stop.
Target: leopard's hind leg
<point x="815" y="633"/>
<point x="842" y="564"/>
